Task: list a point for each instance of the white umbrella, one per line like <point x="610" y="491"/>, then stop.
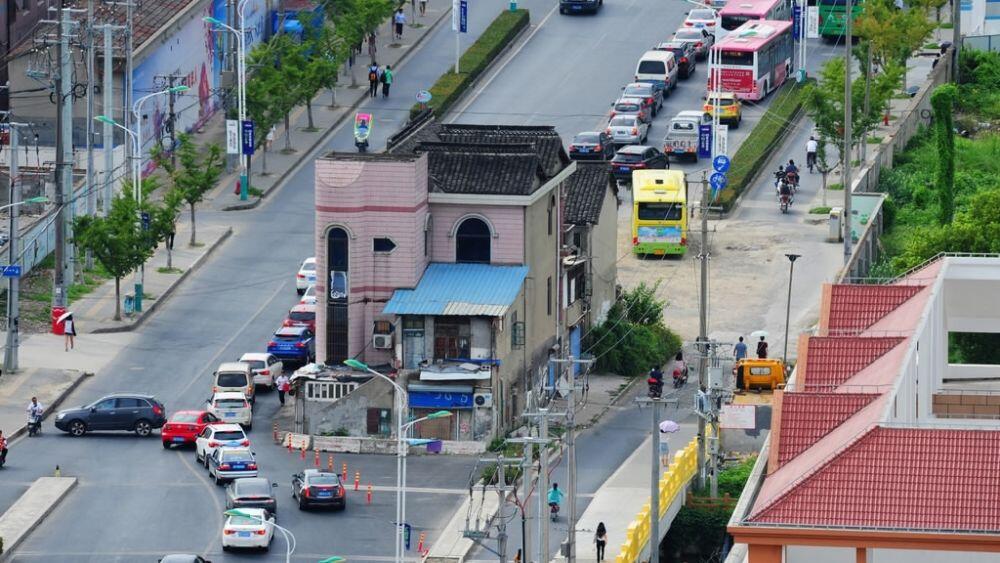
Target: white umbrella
<point x="64" y="316"/>
<point x="758" y="334"/>
<point x="669" y="426"/>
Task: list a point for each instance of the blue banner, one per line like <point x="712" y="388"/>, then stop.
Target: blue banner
<point x="463" y="16"/>
<point x="704" y="141"/>
<point x="435" y="400"/>
<point x="797" y="21"/>
<point x="246" y="136"/>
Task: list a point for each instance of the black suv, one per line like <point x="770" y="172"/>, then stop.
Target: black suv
<point x="137" y="413"/>
<point x="636" y="157"/>
<point x="579" y="6"/>
<point x="685" y="55"/>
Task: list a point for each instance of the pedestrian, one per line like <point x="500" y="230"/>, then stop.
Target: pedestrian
<point x="423" y="8"/>
<point x="69" y="330"/>
<point x="372" y="47"/>
<point x="386" y="79"/>
<point x="269" y="139"/>
<point x="740" y="350"/>
<point x="283" y="385"/>
<point x="601" y="539"/>
<point x="170" y="235"/>
<point x="399" y="19"/>
<point x="762" y="348"/>
<point x="3" y="449"/>
<point x="373" y="76"/>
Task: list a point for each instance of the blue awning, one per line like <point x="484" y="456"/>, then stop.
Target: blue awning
<point x="460" y="290"/>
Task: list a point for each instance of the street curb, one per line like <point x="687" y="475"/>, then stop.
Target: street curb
<point x="322" y="139"/>
<point x="8" y="550"/>
<point x="81" y="375"/>
<point x="169" y="291"/>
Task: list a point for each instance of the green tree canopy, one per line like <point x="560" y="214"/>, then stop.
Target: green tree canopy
<point x="198" y="172"/>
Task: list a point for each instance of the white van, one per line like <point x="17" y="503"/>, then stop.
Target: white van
<point x="235" y="377"/>
<point x="232" y="408"/>
<point x="658" y="67"/>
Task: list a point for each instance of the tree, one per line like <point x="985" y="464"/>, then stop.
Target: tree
<point x="118" y="240"/>
<point x="893" y="34"/>
<point x="943" y="102"/>
<point x="199" y="172"/>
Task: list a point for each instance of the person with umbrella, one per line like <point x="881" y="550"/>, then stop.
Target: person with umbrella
<point x="667" y="427"/>
<point x="69" y="328"/>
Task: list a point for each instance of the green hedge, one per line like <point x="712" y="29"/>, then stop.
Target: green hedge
<point x="766" y="136"/>
<point x="475" y="60"/>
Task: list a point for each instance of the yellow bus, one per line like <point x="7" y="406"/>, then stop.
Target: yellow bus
<point x="659" y="212"/>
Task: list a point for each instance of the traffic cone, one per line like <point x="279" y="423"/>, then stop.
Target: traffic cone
<point x="343" y="471"/>
<point x="420" y="542"/>
<point x="329" y="463"/>
<point x="369" y="493"/>
<point x="288" y="437"/>
<point x="303" y="452"/>
<point x="275" y="433"/>
<point x="316" y="461"/>
<point x="357" y="479"/>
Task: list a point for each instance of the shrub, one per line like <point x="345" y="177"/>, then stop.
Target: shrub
<point x="756" y="149"/>
<point x="633" y="338"/>
<point x="450" y="86"/>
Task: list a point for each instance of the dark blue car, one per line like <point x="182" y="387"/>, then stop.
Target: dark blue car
<point x="293" y="343"/>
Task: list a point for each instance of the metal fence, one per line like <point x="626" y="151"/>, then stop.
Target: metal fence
<point x="982" y="42"/>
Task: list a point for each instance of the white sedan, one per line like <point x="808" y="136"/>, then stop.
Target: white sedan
<point x="306" y="275"/>
<point x="309" y="297"/>
<point x="701" y="18"/>
<point x="253" y="528"/>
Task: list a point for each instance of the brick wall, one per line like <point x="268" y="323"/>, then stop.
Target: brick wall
<point x="966" y="405"/>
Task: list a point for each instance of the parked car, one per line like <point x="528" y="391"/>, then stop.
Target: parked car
<point x="136" y="413"/>
<point x="252" y="492"/>
<point x="301" y="315"/>
<point x="702" y="39"/>
<point x="309" y="297"/>
<point x="183" y="558"/>
<point x="313" y="487"/>
<point x="235" y="377"/>
<point x="627" y="130"/>
<point x="218" y="436"/>
<point x="592" y="145"/>
<point x="293" y="343"/>
<point x="579" y="6"/>
<point x="701" y="18"/>
<point x="226" y="464"/>
<point x="636" y="157"/>
<point x="184" y="426"/>
<point x="233" y="408"/>
<point x="727" y="106"/>
<point x="684" y="53"/>
<point x="254" y="530"/>
<point x="631" y="106"/>
<point x="265" y="367"/>
<point x="306" y="275"/>
<point x="648" y="92"/>
<point x="683" y="133"/>
<point x="658" y="67"/>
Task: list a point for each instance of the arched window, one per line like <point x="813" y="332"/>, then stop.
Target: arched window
<point x="472" y="241"/>
<point x="337" y="282"/>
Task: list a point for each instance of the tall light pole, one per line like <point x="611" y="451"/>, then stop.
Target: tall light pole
<point x="788" y="306"/>
<point x="848" y="122"/>
<point x="131" y="134"/>
<point x="241" y="91"/>
<point x="402" y="400"/>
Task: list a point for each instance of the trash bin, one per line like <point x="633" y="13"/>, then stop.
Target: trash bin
<point x="434" y="447"/>
<point x="836" y="225"/>
<point x="58" y="327"/>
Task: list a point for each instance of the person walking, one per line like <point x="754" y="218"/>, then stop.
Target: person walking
<point x="3" y="449"/>
<point x="386" y="80"/>
<point x="601" y="540"/>
<point x="762" y="348"/>
<point x="423" y="8"/>
<point x="69" y="330"/>
<point x="740" y="350"/>
<point x="372" y="46"/>
<point x="399" y="19"/>
<point x="373" y="75"/>
<point x="283" y="384"/>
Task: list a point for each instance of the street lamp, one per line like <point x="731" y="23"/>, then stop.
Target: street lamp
<point x="333" y="559"/>
<point x="132" y="135"/>
<point x="39" y="199"/>
<point x="402" y="400"/>
<point x="788" y="307"/>
<point x="289" y="538"/>
<point x="406" y="450"/>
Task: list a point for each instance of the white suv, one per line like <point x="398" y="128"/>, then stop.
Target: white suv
<point x="231" y="407"/>
<point x="306" y="275"/>
<point x="265" y="367"/>
<point x="218" y="436"/>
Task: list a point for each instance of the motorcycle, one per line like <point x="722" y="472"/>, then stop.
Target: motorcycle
<point x="34" y="425"/>
<point x="793" y="180"/>
<point x="784" y="200"/>
<point x="680" y="377"/>
<point x="553" y="511"/>
<point x="655" y="388"/>
<point x="362" y="130"/>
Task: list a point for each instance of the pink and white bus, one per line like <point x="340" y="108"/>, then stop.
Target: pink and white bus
<point x="754" y="59"/>
<point x="737" y="12"/>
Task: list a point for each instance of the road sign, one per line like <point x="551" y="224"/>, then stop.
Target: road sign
<point x="247" y="137"/>
<point x="144" y="219"/>
<point x="423" y="97"/>
<point x="704" y="141"/>
<point x="721" y="163"/>
<point x="463" y="17"/>
<point x="11" y="271"/>
<point x="232" y="136"/>
<point x="718" y="181"/>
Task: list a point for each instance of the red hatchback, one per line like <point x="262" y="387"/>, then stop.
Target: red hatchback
<point x="302" y="315"/>
<point x="184" y="426"/>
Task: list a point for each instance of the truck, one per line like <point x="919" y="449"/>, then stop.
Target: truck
<point x="681" y="140"/>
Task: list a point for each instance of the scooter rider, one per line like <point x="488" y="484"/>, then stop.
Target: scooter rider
<point x="655" y="382"/>
<point x="779" y="176"/>
<point x="555" y="497"/>
<point x="785" y="190"/>
<point x="35" y="409"/>
<point x="792" y="173"/>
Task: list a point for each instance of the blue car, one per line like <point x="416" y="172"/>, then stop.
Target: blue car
<point x="293" y="343"/>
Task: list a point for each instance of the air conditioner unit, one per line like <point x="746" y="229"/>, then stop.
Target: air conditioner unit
<point x="382" y="341"/>
<point x="483" y="399"/>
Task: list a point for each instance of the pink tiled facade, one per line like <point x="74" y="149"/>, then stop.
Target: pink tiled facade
<point x="507" y="224"/>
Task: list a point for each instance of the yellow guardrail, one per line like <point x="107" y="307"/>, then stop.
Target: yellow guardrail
<point x="681" y="470"/>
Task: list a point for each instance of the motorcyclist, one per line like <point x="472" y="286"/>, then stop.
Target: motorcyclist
<point x="812" y="146"/>
<point x="680" y="369"/>
<point x="34" y="409"/>
<point x="785" y="190"/>
<point x="655" y="382"/>
<point x="555" y="496"/>
<point x="792" y="174"/>
<point x="779" y="176"/>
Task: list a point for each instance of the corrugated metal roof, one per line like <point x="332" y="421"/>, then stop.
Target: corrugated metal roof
<point x="460" y="290"/>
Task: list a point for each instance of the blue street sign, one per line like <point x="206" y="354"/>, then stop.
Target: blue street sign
<point x="144" y="218"/>
<point x="704" y="141"/>
<point x="247" y="137"/>
<point x="797" y="21"/>
<point x="463" y="16"/>
<point x="11" y="271"/>
<point x="718" y="181"/>
<point x="721" y="163"/>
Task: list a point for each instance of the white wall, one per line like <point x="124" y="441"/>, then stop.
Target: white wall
<point x="804" y="554"/>
<point x="915" y="556"/>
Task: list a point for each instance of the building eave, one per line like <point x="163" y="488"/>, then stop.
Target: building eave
<point x="842" y="537"/>
<point x="504" y="200"/>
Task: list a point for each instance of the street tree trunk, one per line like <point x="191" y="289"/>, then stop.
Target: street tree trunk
<point x="309" y="113"/>
<point x="288" y="134"/>
<point x="192" y="243"/>
<point x="263" y="160"/>
<point x="118" y="298"/>
<point x="170" y="258"/>
<point x="333" y="97"/>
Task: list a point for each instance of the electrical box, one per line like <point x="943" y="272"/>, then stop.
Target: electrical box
<point x="836" y="225"/>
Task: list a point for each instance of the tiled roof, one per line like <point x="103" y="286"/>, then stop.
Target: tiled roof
<point x="585" y="191"/>
<point x="832" y="360"/>
<point x="482" y="169"/>
<point x="460" y="289"/>
<point x="857" y="307"/>
<point x="807" y="417"/>
<point x="545" y="139"/>
<point x="901" y="478"/>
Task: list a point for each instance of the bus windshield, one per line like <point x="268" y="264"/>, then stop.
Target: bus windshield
<point x="730" y="23"/>
<point x="660" y="211"/>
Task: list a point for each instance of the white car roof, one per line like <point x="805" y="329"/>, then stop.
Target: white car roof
<point x="229" y="395"/>
<point x="226" y="427"/>
<point x="309" y="260"/>
<point x="254" y="356"/>
<point x="233" y="366"/>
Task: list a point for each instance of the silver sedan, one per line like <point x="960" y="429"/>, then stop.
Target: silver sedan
<point x="627" y="130"/>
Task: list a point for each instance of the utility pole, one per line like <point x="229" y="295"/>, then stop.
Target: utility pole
<point x="91" y="191"/>
<point x="703" y="323"/>
<point x="62" y="175"/>
<point x="848" y="122"/>
<point x="568" y="548"/>
<point x="478" y="535"/>
<point x="868" y="89"/>
<point x="654" y="475"/>
<point x="542" y="483"/>
<point x="107" y="107"/>
<point x="10" y="361"/>
<point x="956" y="38"/>
<point x="164" y="82"/>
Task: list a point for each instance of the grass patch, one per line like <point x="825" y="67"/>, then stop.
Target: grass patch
<point x="765" y="137"/>
<point x="450" y="86"/>
<point x="835" y="187"/>
<point x="934" y="46"/>
<point x="819" y="210"/>
<point x="166" y="270"/>
<point x="196" y="245"/>
<point x="89" y="281"/>
<point x="946" y="25"/>
<point x="255" y="192"/>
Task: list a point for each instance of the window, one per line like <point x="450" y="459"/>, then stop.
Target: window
<point x="337" y="275"/>
<point x="651" y="67"/>
<point x="130" y="403"/>
<point x="472" y="241"/>
<point x="660" y="211"/>
<point x="548" y="296"/>
<point x="577" y="277"/>
<point x="328" y="390"/>
<point x="737" y="58"/>
<point x="452" y="338"/>
<point x="552" y="206"/>
<point x="383" y="327"/>
<point x="105" y="405"/>
<point x="413" y="322"/>
<point x="383" y="244"/>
